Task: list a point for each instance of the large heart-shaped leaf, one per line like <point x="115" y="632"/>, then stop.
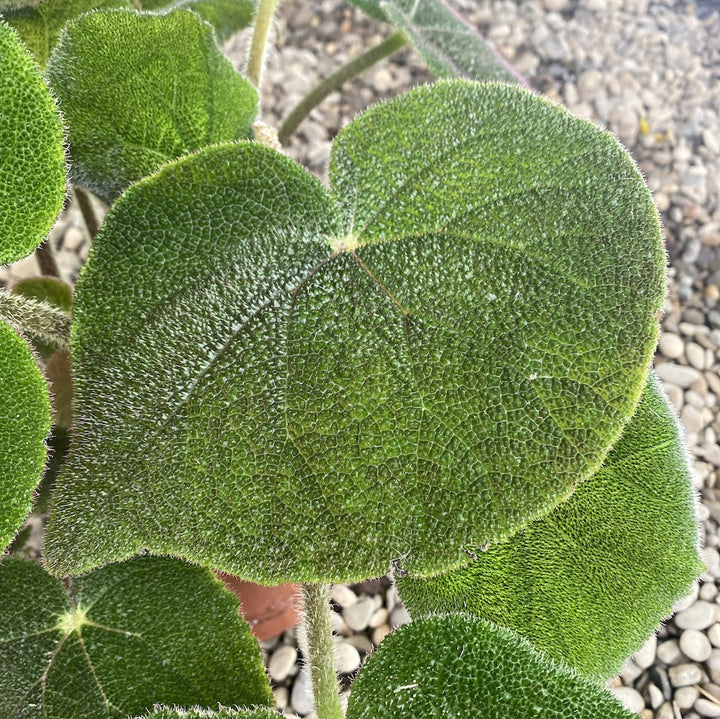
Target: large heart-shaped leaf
<point x="459" y="666"/>
<point x="448" y="44"/>
<point x="24" y="425"/>
<point x="226" y="16"/>
<point x="139" y="89"/>
<point x="40" y="22"/>
<point x="284" y="396"/>
<point x="32" y="161"/>
<point x="117" y="641"/>
<point x="589" y="582"/>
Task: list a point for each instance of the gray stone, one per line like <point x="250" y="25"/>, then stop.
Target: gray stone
<point x="342" y="595"/>
<point x="714" y="635"/>
<point x="358" y="615"/>
<point x="665" y="712"/>
<point x="671" y="346"/>
<point x="695" y="355"/>
<point x="655" y="696"/>
<point x="695" y="645"/>
<point x="684" y="675"/>
<point x="676" y="374"/>
<point x="669" y="652"/>
<point x="645" y="656"/>
<point x="301" y="698"/>
<point x="631" y="699"/>
<point x="399" y="616"/>
<point x="700" y="615"/>
<point x="347" y="658"/>
<point x="706" y="708"/>
<point x="282" y="663"/>
<point x="685" y="697"/>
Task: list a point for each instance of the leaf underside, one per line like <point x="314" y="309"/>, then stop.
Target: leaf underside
<point x="146" y="632"/>
<point x="311" y="384"/>
<point x="588" y="583"/>
<point x="32" y="162"/>
<point x="24" y="425"/>
<point x="140" y="89"/>
<point x="459" y="666"/>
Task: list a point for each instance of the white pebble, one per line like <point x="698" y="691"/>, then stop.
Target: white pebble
<point x="683" y="675"/>
<point x="677" y="374"/>
<point x="669" y="652"/>
<point x="685" y="697"/>
<point x="695" y="355"/>
<point x="342" y="595"/>
<point x="645" y="656"/>
<point x="301" y="698"/>
<point x="631" y="699"/>
<point x="707" y="708"/>
<point x="281" y="697"/>
<point x="361" y="642"/>
<point x="379" y="616"/>
<point x="399" y="616"/>
<point x="714" y="635"/>
<point x="380" y="633"/>
<point x="671" y="346"/>
<point x="665" y="712"/>
<point x="347" y="658"/>
<point x="700" y="615"/>
<point x="282" y="662"/>
<point x="695" y="645"/>
<point x="358" y="615"/>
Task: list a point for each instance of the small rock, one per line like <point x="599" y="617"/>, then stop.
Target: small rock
<point x="380" y="633"/>
<point x="655" y="696"/>
<point x="676" y="374"/>
<point x="695" y="355"/>
<point x="379" y="616"/>
<point x="685" y="697"/>
<point x="347" y="658"/>
<point x="281" y="697"/>
<point x="631" y="699"/>
<point x="73" y="238"/>
<point x="559" y="6"/>
<point x="361" y="642"/>
<point x="705" y="707"/>
<point x="671" y="346"/>
<point x="714" y="635"/>
<point x="301" y="698"/>
<point x="343" y="596"/>
<point x="645" y="656"/>
<point x="669" y="652"/>
<point x="630" y="672"/>
<point x="684" y="675"/>
<point x="282" y="662"/>
<point x="358" y="615"/>
<point x="665" y="712"/>
<point x="700" y="615"/>
<point x="399" y="616"/>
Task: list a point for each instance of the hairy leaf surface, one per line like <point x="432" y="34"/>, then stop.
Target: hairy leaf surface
<point x="460" y="666"/>
<point x="139" y="89"/>
<point x="32" y="161"/>
<point x="121" y="640"/>
<point x="199" y="713"/>
<point x="448" y="44"/>
<point x="308" y="393"/>
<point x="40" y="23"/>
<point x="589" y="582"/>
<point x="24" y="425"/>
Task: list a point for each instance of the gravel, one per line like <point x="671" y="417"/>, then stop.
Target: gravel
<point x="648" y="71"/>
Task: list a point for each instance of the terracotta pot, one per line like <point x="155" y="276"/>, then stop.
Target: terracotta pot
<point x="268" y="610"/>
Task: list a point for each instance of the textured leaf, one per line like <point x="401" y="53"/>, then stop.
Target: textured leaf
<point x="589" y="582"/>
<point x="139" y="89"/>
<point x="432" y="375"/>
<point x="32" y="162"/>
<point x="58" y="446"/>
<point x="370" y="7"/>
<point x="122" y="639"/>
<point x="49" y="289"/>
<point x="24" y="425"/>
<point x="459" y="666"/>
<point x="39" y="24"/>
<point x="199" y="713"/>
<point x="226" y="16"/>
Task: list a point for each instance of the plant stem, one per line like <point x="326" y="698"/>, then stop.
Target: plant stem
<point x="46" y="260"/>
<point x="352" y="69"/>
<point x="320" y="651"/>
<point x="39" y="319"/>
<point x="263" y="20"/>
<point x="86" y="209"/>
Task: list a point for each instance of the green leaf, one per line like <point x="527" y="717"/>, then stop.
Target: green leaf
<point x="39" y="23"/>
<point x="24" y="425"/>
<point x="47" y="289"/>
<point x="139" y="89"/>
<point x="448" y="44"/>
<point x="122" y="639"/>
<point x="199" y="713"/>
<point x="588" y="583"/>
<point x="226" y="16"/>
<point x="32" y="162"/>
<point x="302" y="400"/>
<point x="459" y="666"/>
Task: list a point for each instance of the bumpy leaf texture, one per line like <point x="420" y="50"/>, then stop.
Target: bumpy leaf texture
<point x="121" y="640"/>
<point x="292" y="385"/>
<point x="32" y="162"/>
<point x="139" y="89"/>
<point x="448" y="44"/>
<point x="589" y="582"/>
<point x="199" y="713"/>
<point x="39" y="24"/>
<point x="459" y="666"/>
<point x="24" y="425"/>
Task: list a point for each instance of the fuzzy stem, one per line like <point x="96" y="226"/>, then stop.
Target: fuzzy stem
<point x="263" y="20"/>
<point x="39" y="319"/>
<point x="46" y="260"/>
<point x="86" y="209"/>
<point x="331" y="83"/>
<point x="320" y="651"/>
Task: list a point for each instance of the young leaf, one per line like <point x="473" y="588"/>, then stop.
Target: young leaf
<point x="448" y="44"/>
<point x="32" y="162"/>
<point x="590" y="581"/>
<point x="275" y="387"/>
<point x="39" y="23"/>
<point x="139" y="89"/>
<point x="24" y="425"/>
<point x="460" y="666"/>
<point x="122" y="639"/>
<point x="226" y="16"/>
